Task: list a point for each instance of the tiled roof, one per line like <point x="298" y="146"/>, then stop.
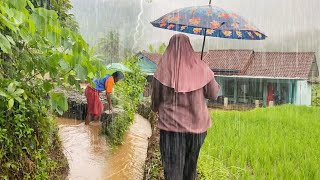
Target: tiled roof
<point x="154" y="57"/>
<point x="250" y="63"/>
<point x="199" y="54"/>
<point x="228" y="59"/>
<point x="281" y="64"/>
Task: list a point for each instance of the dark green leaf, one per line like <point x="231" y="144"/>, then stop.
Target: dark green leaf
<point x="47" y="86"/>
<point x="71" y="80"/>
<point x="81" y="72"/>
<point x="18" y="4"/>
<point x="59" y="102"/>
<point x="4" y="44"/>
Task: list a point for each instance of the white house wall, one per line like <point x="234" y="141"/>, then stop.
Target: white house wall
<point x="303" y="93"/>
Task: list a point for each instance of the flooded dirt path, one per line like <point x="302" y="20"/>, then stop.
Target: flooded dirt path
<point x="90" y="157"/>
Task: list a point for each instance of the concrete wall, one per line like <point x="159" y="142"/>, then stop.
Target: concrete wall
<point x="303" y="93"/>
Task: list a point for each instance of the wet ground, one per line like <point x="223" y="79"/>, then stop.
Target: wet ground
<point x="90" y="157"/>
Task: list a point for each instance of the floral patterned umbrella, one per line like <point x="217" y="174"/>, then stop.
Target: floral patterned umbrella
<point x="209" y="21"/>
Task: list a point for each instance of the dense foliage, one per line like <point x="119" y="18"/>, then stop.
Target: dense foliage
<point x="128" y="92"/>
<point x="33" y="46"/>
<point x="62" y="7"/>
<point x="268" y="143"/>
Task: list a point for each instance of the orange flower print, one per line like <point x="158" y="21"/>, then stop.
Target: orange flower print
<point x="183" y="28"/>
<point x="233" y="15"/>
<point x="197" y="30"/>
<point x="258" y="34"/>
<point x="251" y="35"/>
<point x="239" y="34"/>
<point x="209" y="13"/>
<point x="215" y="24"/>
<point x="223" y="15"/>
<point x="235" y="25"/>
<point x="163" y="24"/>
<point x="249" y="27"/>
<point x="164" y="19"/>
<point x="210" y="31"/>
<point x="171" y="26"/>
<point x="195" y="21"/>
<point x="175" y="18"/>
<point x="227" y="33"/>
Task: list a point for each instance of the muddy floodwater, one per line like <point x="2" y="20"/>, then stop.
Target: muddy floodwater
<point x="90" y="157"/>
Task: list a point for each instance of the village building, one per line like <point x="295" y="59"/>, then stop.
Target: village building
<point x="248" y="77"/>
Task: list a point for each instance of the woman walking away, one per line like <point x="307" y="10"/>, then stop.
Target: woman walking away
<point x="181" y="85"/>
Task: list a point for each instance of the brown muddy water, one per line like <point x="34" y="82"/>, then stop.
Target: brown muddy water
<point x="90" y="157"/>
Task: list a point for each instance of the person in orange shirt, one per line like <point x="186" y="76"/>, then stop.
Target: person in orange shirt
<point x="94" y="104"/>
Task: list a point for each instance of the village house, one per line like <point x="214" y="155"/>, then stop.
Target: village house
<point x="248" y="77"/>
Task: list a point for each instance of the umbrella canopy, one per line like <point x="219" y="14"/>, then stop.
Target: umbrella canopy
<point x="209" y="21"/>
<point x="118" y="67"/>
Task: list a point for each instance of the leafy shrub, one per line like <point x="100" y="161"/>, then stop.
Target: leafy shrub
<point x="128" y="93"/>
<point x="33" y="45"/>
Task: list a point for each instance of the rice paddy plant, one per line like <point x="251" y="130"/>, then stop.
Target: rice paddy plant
<point x="267" y="143"/>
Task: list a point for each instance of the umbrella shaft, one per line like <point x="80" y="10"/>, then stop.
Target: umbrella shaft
<point x="204" y="41"/>
<point x="209" y="2"/>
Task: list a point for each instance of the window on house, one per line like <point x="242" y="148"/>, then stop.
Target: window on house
<point x="229" y="87"/>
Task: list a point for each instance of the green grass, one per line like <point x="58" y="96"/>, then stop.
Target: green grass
<point x="268" y="143"/>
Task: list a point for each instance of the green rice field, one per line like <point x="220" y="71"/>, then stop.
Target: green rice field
<point x="266" y="143"/>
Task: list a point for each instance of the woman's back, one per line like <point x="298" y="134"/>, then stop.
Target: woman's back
<point x="183" y="112"/>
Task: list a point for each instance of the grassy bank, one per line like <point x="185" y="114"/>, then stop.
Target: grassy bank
<point x="268" y="143"/>
<point x="153" y="168"/>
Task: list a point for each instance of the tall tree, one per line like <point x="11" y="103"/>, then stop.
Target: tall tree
<point x="62" y="7"/>
<point x="109" y="47"/>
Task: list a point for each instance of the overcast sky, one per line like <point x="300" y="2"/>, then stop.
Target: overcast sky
<point x="289" y="24"/>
